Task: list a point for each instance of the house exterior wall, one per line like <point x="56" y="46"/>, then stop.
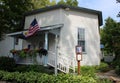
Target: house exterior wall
<point x="6" y="45"/>
<point x="43" y="19"/>
<point x="19" y="45"/>
<point x="72" y="21"/>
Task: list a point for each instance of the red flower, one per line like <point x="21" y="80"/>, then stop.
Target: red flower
<point x="26" y="50"/>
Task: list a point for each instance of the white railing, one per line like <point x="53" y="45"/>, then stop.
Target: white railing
<point x="70" y="59"/>
<point x="63" y="62"/>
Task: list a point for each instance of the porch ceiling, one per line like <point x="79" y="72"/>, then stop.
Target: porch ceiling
<point x="42" y="29"/>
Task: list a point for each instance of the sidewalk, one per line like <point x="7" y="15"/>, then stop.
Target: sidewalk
<point x="110" y="75"/>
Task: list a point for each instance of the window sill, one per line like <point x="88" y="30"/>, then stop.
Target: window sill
<point x="84" y="52"/>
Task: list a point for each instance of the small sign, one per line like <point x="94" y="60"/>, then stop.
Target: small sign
<point x="78" y="49"/>
<point x="78" y="53"/>
<point x="79" y="57"/>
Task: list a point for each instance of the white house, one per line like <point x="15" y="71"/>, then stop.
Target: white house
<point x="61" y="29"/>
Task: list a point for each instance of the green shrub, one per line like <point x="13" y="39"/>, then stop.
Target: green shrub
<point x="7" y="63"/>
<point x="88" y="70"/>
<point x="21" y="68"/>
<point x="103" y="67"/>
<point x="34" y="68"/>
<point x="35" y="77"/>
<point x="117" y="69"/>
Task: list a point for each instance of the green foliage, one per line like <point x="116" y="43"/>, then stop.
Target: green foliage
<point x="68" y="2"/>
<point x="34" y="68"/>
<point x="110" y="37"/>
<point x="88" y="70"/>
<point x="109" y="33"/>
<point x="22" y="54"/>
<point x="7" y="63"/>
<point x="11" y="14"/>
<point x="103" y="67"/>
<point x="35" y="77"/>
<point x="116" y="65"/>
<point x="117" y="69"/>
<point x="40" y="3"/>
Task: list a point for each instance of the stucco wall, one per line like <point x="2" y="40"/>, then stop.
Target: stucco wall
<point x="44" y="19"/>
<point x="73" y="21"/>
<point x="6" y="45"/>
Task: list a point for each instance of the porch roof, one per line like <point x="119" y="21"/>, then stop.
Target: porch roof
<point x="45" y="28"/>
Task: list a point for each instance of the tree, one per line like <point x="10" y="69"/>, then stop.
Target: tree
<point x="110" y="37"/>
<point x="61" y="2"/>
<point x="40" y="3"/>
<point x="69" y="2"/>
<point x="53" y="2"/>
<point x="11" y="13"/>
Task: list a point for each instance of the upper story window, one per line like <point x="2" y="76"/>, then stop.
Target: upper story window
<point x="81" y="38"/>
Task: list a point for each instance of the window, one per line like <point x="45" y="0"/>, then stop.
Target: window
<point x="16" y="41"/>
<point x="81" y="38"/>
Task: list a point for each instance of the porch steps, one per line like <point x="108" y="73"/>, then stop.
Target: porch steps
<point x="63" y="63"/>
<point x="60" y="68"/>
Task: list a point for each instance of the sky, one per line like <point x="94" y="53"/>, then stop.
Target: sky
<point x="109" y="8"/>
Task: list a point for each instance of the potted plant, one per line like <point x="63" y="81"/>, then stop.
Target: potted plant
<point x="13" y="51"/>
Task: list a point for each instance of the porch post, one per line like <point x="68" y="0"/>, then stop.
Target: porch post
<point x="14" y="43"/>
<point x="46" y="41"/>
<point x="56" y="41"/>
<point x="46" y="47"/>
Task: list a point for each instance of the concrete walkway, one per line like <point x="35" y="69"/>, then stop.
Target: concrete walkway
<point x="110" y="75"/>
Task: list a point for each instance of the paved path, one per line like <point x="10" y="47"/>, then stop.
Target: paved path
<point x="110" y="75"/>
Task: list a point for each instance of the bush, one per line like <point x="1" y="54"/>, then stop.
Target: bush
<point x="117" y="70"/>
<point x="7" y="63"/>
<point x="35" y="77"/>
<point x="34" y="68"/>
<point x="88" y="70"/>
<point x="103" y="67"/>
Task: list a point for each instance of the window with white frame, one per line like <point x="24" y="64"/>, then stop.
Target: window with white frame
<point x="81" y="38"/>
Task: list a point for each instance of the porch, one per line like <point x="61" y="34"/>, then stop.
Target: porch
<point x="47" y="38"/>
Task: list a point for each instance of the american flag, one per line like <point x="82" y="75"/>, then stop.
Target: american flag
<point x="32" y="29"/>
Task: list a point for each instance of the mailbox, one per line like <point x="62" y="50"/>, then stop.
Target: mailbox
<point x="78" y="53"/>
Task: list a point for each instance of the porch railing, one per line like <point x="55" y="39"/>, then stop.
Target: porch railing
<point x="63" y="62"/>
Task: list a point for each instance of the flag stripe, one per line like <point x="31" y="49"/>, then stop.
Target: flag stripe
<point x="32" y="29"/>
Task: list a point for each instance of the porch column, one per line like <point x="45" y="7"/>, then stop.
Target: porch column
<point x="56" y="42"/>
<point x="46" y="47"/>
<point x="46" y="41"/>
<point x="14" y="43"/>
